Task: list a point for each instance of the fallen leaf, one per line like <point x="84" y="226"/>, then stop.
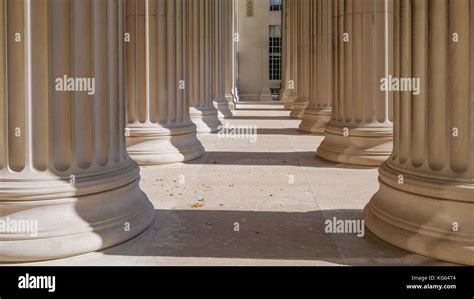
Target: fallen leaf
<point x="197" y="205"/>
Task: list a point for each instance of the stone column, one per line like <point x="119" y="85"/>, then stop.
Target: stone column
<point x="425" y="203"/>
<point x="202" y="110"/>
<point x="360" y="131"/>
<point x="235" y="47"/>
<point x="64" y="171"/>
<point x="229" y="52"/>
<point x="288" y="96"/>
<point x="159" y="129"/>
<point x="284" y="72"/>
<point x="318" y="113"/>
<point x="303" y="58"/>
<point x="218" y="44"/>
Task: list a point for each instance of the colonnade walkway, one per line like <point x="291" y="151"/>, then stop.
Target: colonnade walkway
<point x="255" y="203"/>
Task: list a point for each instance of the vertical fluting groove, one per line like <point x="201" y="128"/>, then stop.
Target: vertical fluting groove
<point x="215" y="70"/>
<point x="327" y="54"/>
<point x="405" y="71"/>
<point x="221" y="49"/>
<point x="437" y="53"/>
<point x="346" y="100"/>
<point x="195" y="99"/>
<point x="16" y="82"/>
<point x="146" y="106"/>
<point x="27" y="16"/>
<point x="369" y="73"/>
<point x="181" y="65"/>
<point x="315" y="53"/>
<point x="161" y="59"/>
<point x="214" y="52"/>
<point x="61" y="64"/>
<point x="100" y="73"/>
<point x="304" y="57"/>
<point x="218" y="48"/>
<point x="83" y="114"/>
<point x="208" y="62"/>
<point x="419" y="67"/>
<point x="390" y="35"/>
<point x="179" y="37"/>
<point x="470" y="125"/>
<point x="388" y="19"/>
<point x="295" y="46"/>
<point x="357" y="41"/>
<point x="396" y="70"/>
<point x="131" y="67"/>
<point x="3" y="89"/>
<point x="121" y="78"/>
<point x="189" y="51"/>
<point x="202" y="53"/>
<point x="379" y="98"/>
<point x="339" y="66"/>
<point x="113" y="80"/>
<point x="316" y="48"/>
<point x="458" y="82"/>
<point x="152" y="103"/>
<point x="39" y="102"/>
<point x="171" y="65"/>
<point x="141" y="61"/>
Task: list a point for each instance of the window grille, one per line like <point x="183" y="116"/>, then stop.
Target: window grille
<point x="250" y="8"/>
<point x="275" y="49"/>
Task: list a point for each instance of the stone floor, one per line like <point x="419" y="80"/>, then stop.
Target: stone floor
<point x="274" y="189"/>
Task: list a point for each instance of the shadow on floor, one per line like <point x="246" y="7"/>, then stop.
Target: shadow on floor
<point x="262" y="235"/>
<point x="285" y="131"/>
<point x="264" y="118"/>
<point x="261" y="109"/>
<point x="305" y="159"/>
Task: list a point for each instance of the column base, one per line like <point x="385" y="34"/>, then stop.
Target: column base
<point x="73" y="219"/>
<point x="298" y="108"/>
<point x="420" y="215"/>
<point x="266" y="95"/>
<point x="205" y="119"/>
<point x="289" y="102"/>
<point x="156" y="145"/>
<point x="366" y="146"/>
<point x="230" y="101"/>
<point x="315" y="120"/>
<point x="223" y="108"/>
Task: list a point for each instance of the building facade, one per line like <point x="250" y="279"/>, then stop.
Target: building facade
<point x="259" y="52"/>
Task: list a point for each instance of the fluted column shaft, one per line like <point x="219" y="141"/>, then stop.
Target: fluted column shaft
<point x="229" y="52"/>
<point x="219" y="56"/>
<point x="202" y="110"/>
<point x="159" y="126"/>
<point x="360" y="131"/>
<point x="425" y="202"/>
<point x="63" y="163"/>
<point x="290" y="52"/>
<point x="318" y="112"/>
<point x="304" y="58"/>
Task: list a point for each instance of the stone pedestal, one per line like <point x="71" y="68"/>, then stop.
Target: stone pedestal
<point x="202" y="110"/>
<point x="360" y="131"/>
<point x="64" y="170"/>
<point x="425" y="203"/>
<point x="304" y="58"/>
<point x="318" y="112"/>
<point x="159" y="129"/>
